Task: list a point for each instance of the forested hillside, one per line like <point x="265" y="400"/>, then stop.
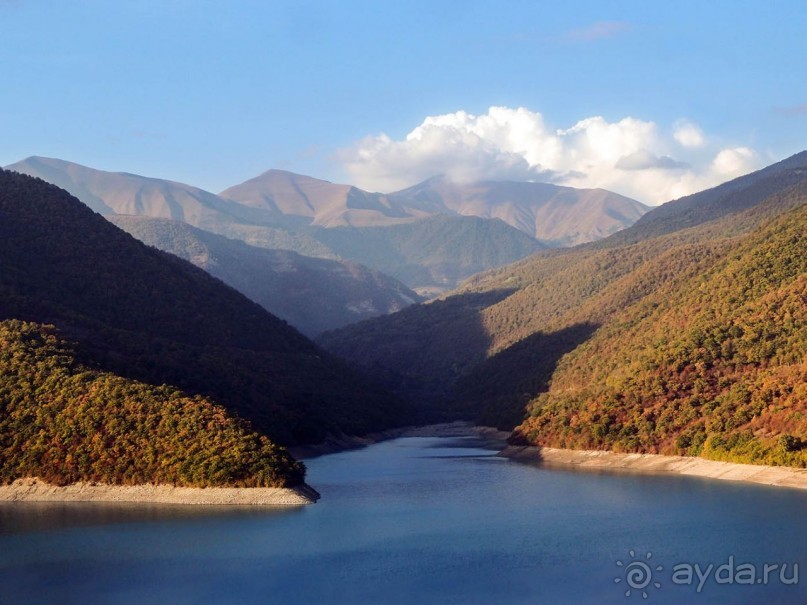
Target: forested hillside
<point x="714" y="365"/>
<point x="148" y="317"/>
<point x="64" y="422"/>
<point x="490" y="349"/>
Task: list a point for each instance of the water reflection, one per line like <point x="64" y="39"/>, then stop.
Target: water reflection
<point x="22" y="517"/>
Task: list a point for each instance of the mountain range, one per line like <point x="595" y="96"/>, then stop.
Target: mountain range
<point x="558" y="216"/>
<point x="121" y="363"/>
<point x="431" y="236"/>
<point x="683" y="334"/>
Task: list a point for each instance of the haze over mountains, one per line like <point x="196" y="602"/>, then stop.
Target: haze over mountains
<point x="685" y="334"/>
<point x="414" y="235"/>
<point x="312" y="294"/>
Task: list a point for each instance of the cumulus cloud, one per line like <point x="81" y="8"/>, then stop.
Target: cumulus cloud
<point x="643" y="160"/>
<point x="631" y="156"/>
<point x="688" y="134"/>
<point x="736" y="160"/>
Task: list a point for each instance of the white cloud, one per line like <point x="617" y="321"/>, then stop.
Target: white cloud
<point x="733" y="161"/>
<point x="688" y="134"/>
<point x="644" y="160"/>
<point x="630" y="156"/>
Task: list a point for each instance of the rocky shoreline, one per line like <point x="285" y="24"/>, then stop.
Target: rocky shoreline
<point x="36" y="490"/>
<point x="778" y="476"/>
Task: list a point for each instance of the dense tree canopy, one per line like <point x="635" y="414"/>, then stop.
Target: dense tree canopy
<point x="715" y="366"/>
<point x="684" y="333"/>
<point x="65" y="422"/>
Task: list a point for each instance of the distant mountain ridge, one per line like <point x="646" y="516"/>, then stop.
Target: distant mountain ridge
<point x="312" y="294"/>
<point x="427" y="236"/>
<point x="111" y="193"/>
<point x="433" y="253"/>
<point x="305" y="201"/>
<point x="124" y="193"/>
<point x="556" y="215"/>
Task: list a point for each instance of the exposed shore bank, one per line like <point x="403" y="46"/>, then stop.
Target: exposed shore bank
<point x="447" y="429"/>
<point x="779" y="476"/>
<point x="35" y="490"/>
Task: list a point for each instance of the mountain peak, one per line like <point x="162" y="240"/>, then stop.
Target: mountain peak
<point x="552" y="213"/>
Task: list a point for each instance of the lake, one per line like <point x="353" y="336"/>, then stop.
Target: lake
<point x="424" y="520"/>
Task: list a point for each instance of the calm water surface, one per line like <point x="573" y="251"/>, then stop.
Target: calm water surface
<point x="418" y="520"/>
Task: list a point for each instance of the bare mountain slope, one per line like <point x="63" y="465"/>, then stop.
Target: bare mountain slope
<point x="300" y="200"/>
<point x="431" y="236"/>
<point x="558" y="216"/>
<point x="130" y="194"/>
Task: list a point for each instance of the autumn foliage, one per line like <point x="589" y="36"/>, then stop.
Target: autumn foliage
<point x="65" y="422"/>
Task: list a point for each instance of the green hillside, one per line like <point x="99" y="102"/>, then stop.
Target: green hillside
<point x="148" y="317"/>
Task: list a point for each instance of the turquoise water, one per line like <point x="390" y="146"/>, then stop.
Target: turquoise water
<point x="418" y="520"/>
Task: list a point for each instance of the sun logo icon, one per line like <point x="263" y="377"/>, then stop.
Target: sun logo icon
<point x="638" y="574"/>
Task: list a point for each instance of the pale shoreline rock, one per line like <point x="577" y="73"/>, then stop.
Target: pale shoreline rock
<point x="36" y="490"/>
<point x="778" y="476"/>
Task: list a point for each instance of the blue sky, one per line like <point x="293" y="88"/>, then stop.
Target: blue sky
<point x="213" y="93"/>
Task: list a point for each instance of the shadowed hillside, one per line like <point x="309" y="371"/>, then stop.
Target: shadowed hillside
<point x="145" y="316"/>
<point x="312" y="294"/>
